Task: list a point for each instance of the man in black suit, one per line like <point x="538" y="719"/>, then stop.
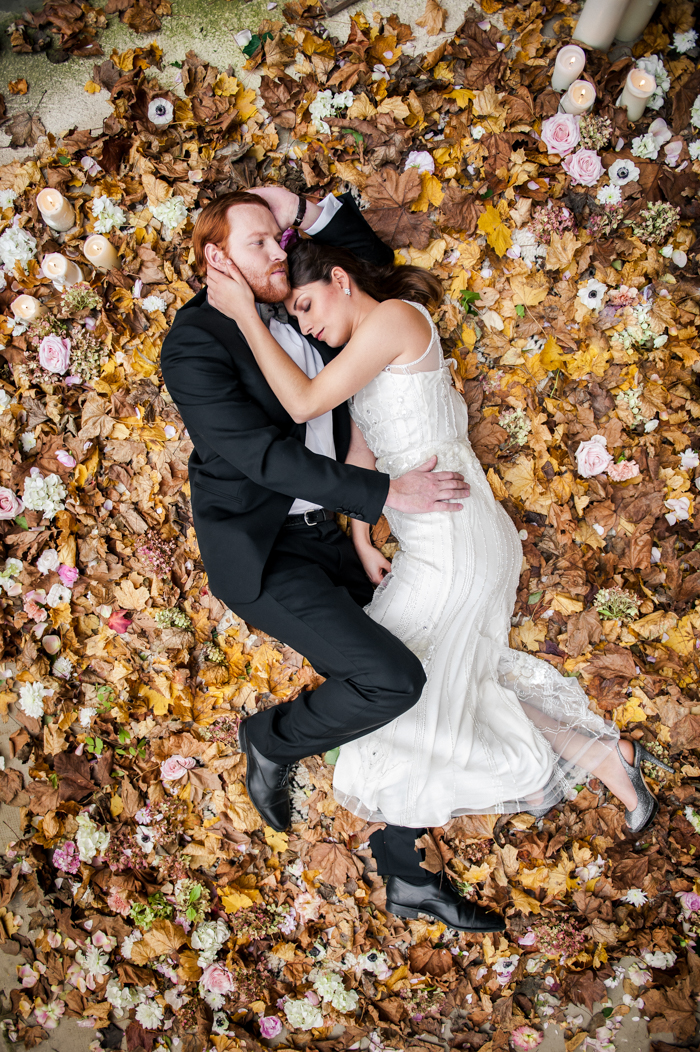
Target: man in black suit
<point x="264" y="494"/>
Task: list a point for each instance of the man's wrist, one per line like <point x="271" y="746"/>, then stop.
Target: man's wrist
<point x="311" y="214"/>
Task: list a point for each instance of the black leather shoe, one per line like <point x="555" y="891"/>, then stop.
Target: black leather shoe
<point x="267" y="784"/>
<point x="439" y="899"/>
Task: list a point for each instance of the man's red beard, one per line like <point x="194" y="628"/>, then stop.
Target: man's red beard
<point x="271" y="287"/>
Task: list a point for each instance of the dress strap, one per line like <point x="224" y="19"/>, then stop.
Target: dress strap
<point x="409" y="367"/>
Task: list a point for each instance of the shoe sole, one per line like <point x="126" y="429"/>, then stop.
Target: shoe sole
<point x="242" y="741"/>
<point x="411" y="914"/>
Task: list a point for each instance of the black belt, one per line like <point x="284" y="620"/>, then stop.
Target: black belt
<point x="309" y="518"/>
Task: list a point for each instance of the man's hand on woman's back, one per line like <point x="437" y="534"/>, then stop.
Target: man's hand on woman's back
<point x="424" y="489"/>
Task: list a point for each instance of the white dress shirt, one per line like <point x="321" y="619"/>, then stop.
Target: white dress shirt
<point x="319" y="432"/>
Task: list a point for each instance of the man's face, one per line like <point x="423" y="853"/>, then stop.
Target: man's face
<point x="253" y="245"/>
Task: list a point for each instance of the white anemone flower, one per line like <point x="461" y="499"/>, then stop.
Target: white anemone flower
<point x="160" y="112"/>
<point x="622" y="172"/>
<point x="592" y="293"/>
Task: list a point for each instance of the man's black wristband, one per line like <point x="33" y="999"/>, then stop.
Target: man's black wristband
<point x="301" y="212"/>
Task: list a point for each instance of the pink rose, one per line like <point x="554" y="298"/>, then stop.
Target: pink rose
<point x="66" y="459"/>
<point x="117" y="903"/>
<point x="33" y="610"/>
<point x="560" y="133"/>
<point x="690" y="901"/>
<point x="217" y="980"/>
<point x="270" y="1026"/>
<point x="54" y="354"/>
<point x="592" y="457"/>
<point x="585" y="167"/>
<point x="626" y="469"/>
<point x="10" y="505"/>
<point x="176" y="767"/>
<point x="68" y="574"/>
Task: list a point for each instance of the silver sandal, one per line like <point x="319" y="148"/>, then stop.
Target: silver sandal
<point x="647" y="805"/>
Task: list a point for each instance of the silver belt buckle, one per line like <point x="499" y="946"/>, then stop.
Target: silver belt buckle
<point x="307" y="520"/>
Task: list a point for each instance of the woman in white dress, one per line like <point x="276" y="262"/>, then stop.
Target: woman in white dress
<point x="496" y="730"/>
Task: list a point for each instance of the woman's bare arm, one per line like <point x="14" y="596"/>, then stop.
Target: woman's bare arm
<point x="376" y="566"/>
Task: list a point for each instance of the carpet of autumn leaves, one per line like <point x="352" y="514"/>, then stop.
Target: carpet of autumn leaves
<point x="161" y="912"/>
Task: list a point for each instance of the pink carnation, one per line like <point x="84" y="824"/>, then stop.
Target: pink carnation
<point x="592" y="457"/>
<point x="10" y="504"/>
<point x="526" y="1037"/>
<point x="117" y="903"/>
<point x="68" y="574"/>
<point x="217" y="980"/>
<point x="54" y="354"/>
<point x="560" y="133"/>
<point x="307" y="906"/>
<point x="690" y="901"/>
<point x="270" y="1026"/>
<point x="626" y="469"/>
<point x="176" y="767"/>
<point x="585" y="167"/>
<point x="33" y="610"/>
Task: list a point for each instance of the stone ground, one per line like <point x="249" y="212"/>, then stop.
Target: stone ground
<point x="57" y="95"/>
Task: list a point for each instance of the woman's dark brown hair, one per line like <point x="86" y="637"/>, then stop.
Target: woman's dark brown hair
<point x="309" y="261"/>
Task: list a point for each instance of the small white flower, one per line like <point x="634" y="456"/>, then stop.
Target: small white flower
<point x="58" y="594"/>
<point x="653" y="64"/>
<point x="326" y="104"/>
<point x="208" y="937"/>
<point x="651" y="425"/>
<point x="86" y="714"/>
<point x="5" y="398"/>
<point x="477" y="131"/>
<point x="694" y="118"/>
<point x="48" y="560"/>
<point x="345" y="1000"/>
<point x="243" y="38"/>
<point x="645" y="146"/>
<point x="693" y="817"/>
<point x="153" y="303"/>
<point x="16" y="246"/>
<point x="91" y="840"/>
<point x="622" y="172"/>
<point x="592" y="293"/>
<point x="28" y="440"/>
<point x="145" y="839"/>
<point x="62" y="667"/>
<point x="694" y="149"/>
<point x="7" y="198"/>
<point x="420" y="159"/>
<point x="635" y="897"/>
<point x="659" y="959"/>
<point x="679" y="510"/>
<point x="689" y="460"/>
<point x="685" y="41"/>
<point x="44" y="494"/>
<point x="108" y="214"/>
<point x="31" y="699"/>
<point x="150" y="1015"/>
<point x="171" y="212"/>
<point x="302" y="1014"/>
<point x="160" y="111"/>
<point x="609" y="195"/>
<point x="128" y="943"/>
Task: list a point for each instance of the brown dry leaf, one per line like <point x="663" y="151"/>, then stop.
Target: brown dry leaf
<point x="130" y="597"/>
<point x="18" y="87"/>
<point x="433" y="18"/>
<point x="163" y="938"/>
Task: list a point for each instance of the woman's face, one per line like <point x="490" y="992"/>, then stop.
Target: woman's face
<point x="324" y="310"/>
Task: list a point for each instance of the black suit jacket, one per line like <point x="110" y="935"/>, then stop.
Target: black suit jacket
<point x="249" y="462"/>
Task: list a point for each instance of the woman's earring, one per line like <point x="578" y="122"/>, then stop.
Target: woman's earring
<point x="347" y="292"/>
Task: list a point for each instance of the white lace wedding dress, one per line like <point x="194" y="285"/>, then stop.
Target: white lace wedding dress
<point x="495" y="730"/>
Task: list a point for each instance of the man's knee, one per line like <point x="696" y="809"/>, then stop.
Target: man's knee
<point x="405" y="679"/>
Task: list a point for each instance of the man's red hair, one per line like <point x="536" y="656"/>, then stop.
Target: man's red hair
<point x="212" y="225"/>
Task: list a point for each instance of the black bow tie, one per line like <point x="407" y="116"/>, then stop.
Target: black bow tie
<point x="268" y="311"/>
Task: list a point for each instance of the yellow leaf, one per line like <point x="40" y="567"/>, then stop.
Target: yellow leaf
<point x="534" y="878"/>
<point x="395" y="106"/>
<point x="497" y="488"/>
<point x="225" y="85"/>
<point x="163" y="938"/>
<point x="116" y="806"/>
<point x="277" y="841"/>
<point x="523" y="902"/>
<point x="528" y="292"/>
<point x="430" y="256"/>
<point x="431" y="193"/>
<point x="551" y="356"/>
<point x="532" y="633"/>
<point x="564" y="604"/>
<point x="6" y="698"/>
<point x="682" y="638"/>
<point x="497" y="233"/>
<point x="362" y="109"/>
<point x="286" y="951"/>
<point x="630" y="712"/>
<point x="235" y="901"/>
<point x="157" y="701"/>
<point x="92" y="88"/>
<point x="461" y="96"/>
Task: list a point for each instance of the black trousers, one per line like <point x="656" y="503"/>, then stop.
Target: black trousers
<point x="314" y="589"/>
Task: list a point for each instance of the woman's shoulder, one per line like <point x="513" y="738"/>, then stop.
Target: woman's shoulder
<point x="401" y="313"/>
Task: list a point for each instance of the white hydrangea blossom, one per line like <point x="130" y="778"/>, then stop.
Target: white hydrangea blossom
<point x="44" y="494"/>
<point x="329" y="987"/>
<point x="7" y="582"/>
<point x="153" y="303"/>
<point x="685" y="41"/>
<point x="171" y="212"/>
<point x="5" y="396"/>
<point x="302" y="1014"/>
<point x="326" y="104"/>
<point x="16" y="246"/>
<point x="530" y="247"/>
<point x="694" y="120"/>
<point x="128" y="943"/>
<point x="609" y="195"/>
<point x="120" y="997"/>
<point x="7" y="198"/>
<point x="31" y="698"/>
<point x="653" y="64"/>
<point x="91" y="840"/>
<point x="659" y="959"/>
<point x="208" y="937"/>
<point x="694" y="149"/>
<point x="645" y="146"/>
<point x="150" y="1015"/>
<point x="108" y="214"/>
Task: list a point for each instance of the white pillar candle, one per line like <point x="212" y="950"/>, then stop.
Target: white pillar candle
<point x="639" y="88"/>
<point x="27" y="308"/>
<point x="598" y="22"/>
<point x="579" y="98"/>
<point x="636" y="19"/>
<point x="56" y="211"/>
<point x="568" y="65"/>
<point x="63" y="272"/>
<point x="98" y="251"/>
